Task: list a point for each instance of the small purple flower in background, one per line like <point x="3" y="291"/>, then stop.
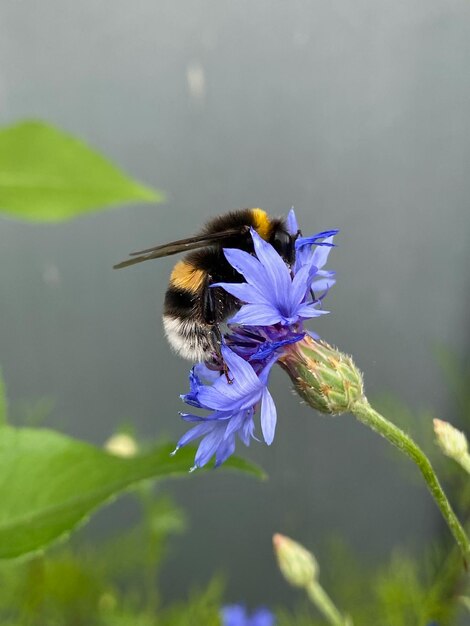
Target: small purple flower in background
<point x="276" y="300"/>
<point x="236" y="615"/>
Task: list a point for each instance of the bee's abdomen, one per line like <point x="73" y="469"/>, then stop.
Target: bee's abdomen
<point x="185" y="329"/>
<point x="192" y="308"/>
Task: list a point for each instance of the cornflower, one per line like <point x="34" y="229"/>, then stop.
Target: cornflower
<point x="236" y="615"/>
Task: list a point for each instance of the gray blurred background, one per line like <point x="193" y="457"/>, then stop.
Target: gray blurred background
<point x="355" y="113"/>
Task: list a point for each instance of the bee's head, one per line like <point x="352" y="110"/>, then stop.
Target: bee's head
<point x="282" y="241"/>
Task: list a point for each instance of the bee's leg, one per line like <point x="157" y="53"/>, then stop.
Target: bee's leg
<point x="218" y="353"/>
<point x="209" y="303"/>
<point x="227" y="373"/>
<point x="209" y="313"/>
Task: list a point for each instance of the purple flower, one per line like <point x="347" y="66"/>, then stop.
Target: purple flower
<point x="272" y="295"/>
<point x="315" y="259"/>
<point x="236" y="615"/>
<point x="233" y="404"/>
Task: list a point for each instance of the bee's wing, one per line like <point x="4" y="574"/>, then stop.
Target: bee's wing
<point x="182" y="245"/>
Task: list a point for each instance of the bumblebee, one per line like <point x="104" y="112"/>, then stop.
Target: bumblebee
<point x="193" y="311"/>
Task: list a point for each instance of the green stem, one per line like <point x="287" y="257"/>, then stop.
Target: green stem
<point x="324" y="604"/>
<point x="368" y="416"/>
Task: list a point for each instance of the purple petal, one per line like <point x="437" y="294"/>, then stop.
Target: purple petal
<point x="256" y="315"/>
<point x="320" y="254"/>
<point x="194" y="433"/>
<point x="326" y="273"/>
<point x="233" y="615"/>
<point x="268" y="347"/>
<point x="246" y="433"/>
<point x="235" y="423"/>
<point x="205" y="373"/>
<point x="305" y="255"/>
<point x="264" y="374"/>
<point x="194" y="385"/>
<point x="244" y="292"/>
<point x="242" y="392"/>
<point x="309" y="310"/>
<point x="323" y="284"/>
<point x="268" y="416"/>
<point x="291" y="223"/>
<point x="300" y="286"/>
<point x="246" y="264"/>
<point x="279" y="281"/>
<point x="225" y="449"/>
<point x="242" y="372"/>
<point x="191" y="399"/>
<point x="313" y="334"/>
<point x="262" y="617"/>
<point x="315" y="239"/>
<point x="216" y="416"/>
<point x="191" y="417"/>
<point x="210" y="443"/>
<point x="216" y="399"/>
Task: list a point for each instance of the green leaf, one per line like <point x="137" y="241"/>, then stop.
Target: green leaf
<point x="50" y="483"/>
<point x="48" y="175"/>
<point x="3" y="402"/>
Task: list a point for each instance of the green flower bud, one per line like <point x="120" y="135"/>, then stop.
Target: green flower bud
<point x="325" y="378"/>
<point x="297" y="565"/>
<point x="121" y="444"/>
<point x="451" y="441"/>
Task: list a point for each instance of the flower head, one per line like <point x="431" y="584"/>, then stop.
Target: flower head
<point x="271" y="294"/>
<point x="298" y="566"/>
<point x="452" y="442"/>
<point x="236" y="615"/>
<point x="316" y="258"/>
<point x="324" y="377"/>
<point x="233" y="401"/>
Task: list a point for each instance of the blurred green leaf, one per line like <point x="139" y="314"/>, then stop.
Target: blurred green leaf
<point x="3" y="402"/>
<point x="50" y="483"/>
<point x="48" y="175"/>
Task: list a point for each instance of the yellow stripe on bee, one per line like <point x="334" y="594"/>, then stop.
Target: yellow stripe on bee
<point x="186" y="276"/>
<point x="262" y="223"/>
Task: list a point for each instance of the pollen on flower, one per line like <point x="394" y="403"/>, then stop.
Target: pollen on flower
<point x="313" y="366"/>
<point x="302" y="383"/>
<point x="335" y="363"/>
<point x="325" y="390"/>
